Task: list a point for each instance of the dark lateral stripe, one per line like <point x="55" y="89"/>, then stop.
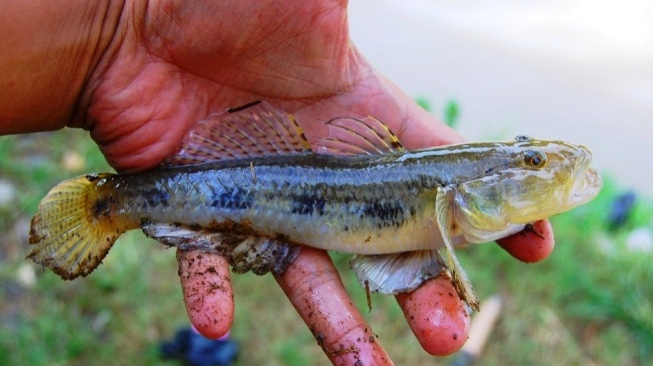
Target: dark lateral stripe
<point x="390" y="213"/>
<point x="306" y="204"/>
<point x="155" y="197"/>
<point x="233" y="199"/>
<point x="382" y="213"/>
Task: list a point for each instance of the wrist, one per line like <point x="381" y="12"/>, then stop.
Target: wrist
<point x="49" y="51"/>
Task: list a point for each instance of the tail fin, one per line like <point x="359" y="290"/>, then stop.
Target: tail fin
<point x="73" y="229"/>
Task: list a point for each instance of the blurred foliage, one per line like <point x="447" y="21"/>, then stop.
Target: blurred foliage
<point x="424" y="103"/>
<point x="450" y="113"/>
<point x="589" y="303"/>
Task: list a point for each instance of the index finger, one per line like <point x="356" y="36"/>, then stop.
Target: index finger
<point x="314" y="288"/>
<point x="530" y="245"/>
<point x="436" y="315"/>
<point x="207" y="291"/>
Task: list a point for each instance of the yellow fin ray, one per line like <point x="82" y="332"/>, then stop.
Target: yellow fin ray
<point x="73" y="229"/>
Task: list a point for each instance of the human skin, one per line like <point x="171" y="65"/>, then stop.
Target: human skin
<point x="138" y="75"/>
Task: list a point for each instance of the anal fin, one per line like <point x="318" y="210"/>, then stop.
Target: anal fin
<point x="244" y="253"/>
<point x="263" y="255"/>
<point x="397" y="273"/>
<point x="185" y="238"/>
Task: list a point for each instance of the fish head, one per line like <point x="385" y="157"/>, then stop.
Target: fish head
<point x="525" y="181"/>
<point x="545" y="179"/>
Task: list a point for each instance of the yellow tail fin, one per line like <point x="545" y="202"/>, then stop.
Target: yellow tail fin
<point x="74" y="229"/>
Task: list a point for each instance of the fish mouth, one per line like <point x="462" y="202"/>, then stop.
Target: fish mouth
<point x="587" y="187"/>
<point x="588" y="181"/>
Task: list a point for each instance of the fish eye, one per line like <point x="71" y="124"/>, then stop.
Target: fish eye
<point x="523" y="138"/>
<point x="535" y="158"/>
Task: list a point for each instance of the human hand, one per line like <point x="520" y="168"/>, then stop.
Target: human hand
<point x="171" y="64"/>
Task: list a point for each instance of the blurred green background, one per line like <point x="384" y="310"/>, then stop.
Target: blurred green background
<point x="589" y="303"/>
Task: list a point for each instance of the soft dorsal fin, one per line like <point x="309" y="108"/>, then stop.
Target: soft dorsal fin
<point x="356" y="136"/>
<point x="253" y="130"/>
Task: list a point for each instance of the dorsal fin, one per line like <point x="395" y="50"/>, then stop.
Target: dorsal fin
<point x="254" y="130"/>
<point x="358" y="136"/>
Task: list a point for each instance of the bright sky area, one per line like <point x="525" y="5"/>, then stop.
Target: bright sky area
<point x="578" y="70"/>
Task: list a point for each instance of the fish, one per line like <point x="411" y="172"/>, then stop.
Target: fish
<point x="247" y="184"/>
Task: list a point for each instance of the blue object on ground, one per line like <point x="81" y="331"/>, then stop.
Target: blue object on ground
<point x="622" y="207"/>
<point x="193" y="349"/>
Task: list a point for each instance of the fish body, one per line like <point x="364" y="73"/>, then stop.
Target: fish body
<point x="370" y="197"/>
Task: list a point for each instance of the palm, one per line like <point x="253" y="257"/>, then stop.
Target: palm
<point x="172" y="74"/>
<point x="166" y="75"/>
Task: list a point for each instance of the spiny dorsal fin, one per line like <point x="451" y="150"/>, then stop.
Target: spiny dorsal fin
<point x="356" y="136"/>
<point x="253" y="130"/>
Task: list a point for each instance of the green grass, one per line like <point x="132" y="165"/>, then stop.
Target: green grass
<point x="450" y="112"/>
<point x="590" y="301"/>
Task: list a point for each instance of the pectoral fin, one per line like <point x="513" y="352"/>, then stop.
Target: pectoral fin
<point x="443" y="208"/>
<point x="398" y="272"/>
